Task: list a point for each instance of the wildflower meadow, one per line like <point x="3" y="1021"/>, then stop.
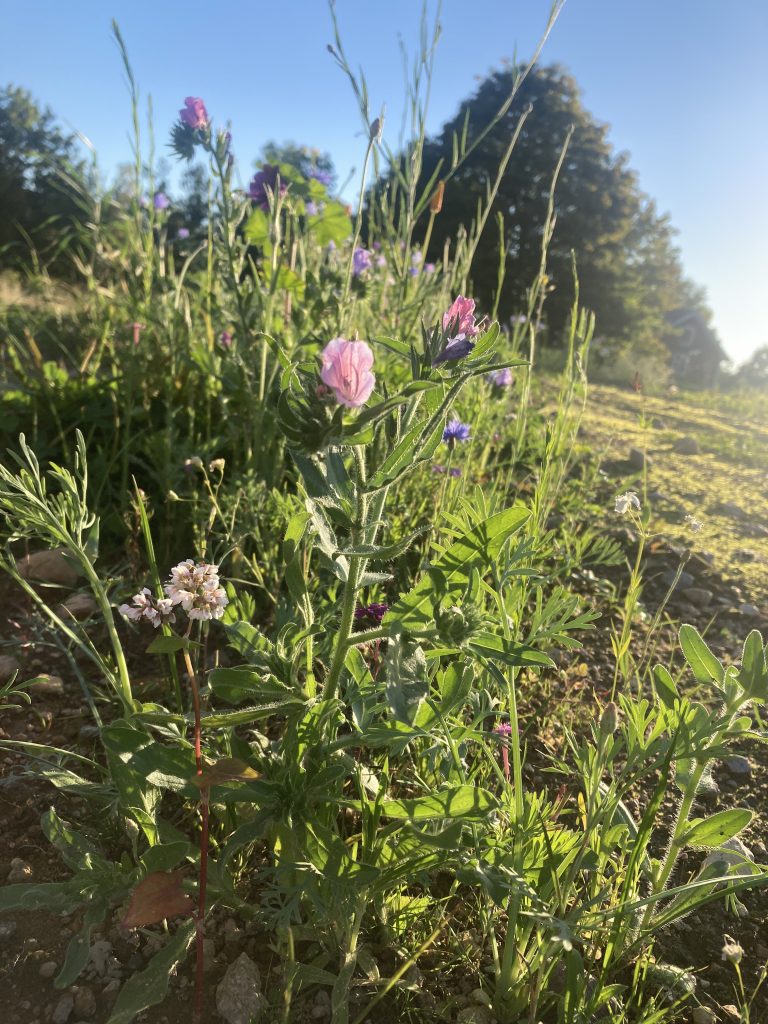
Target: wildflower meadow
<point x="352" y="669"/>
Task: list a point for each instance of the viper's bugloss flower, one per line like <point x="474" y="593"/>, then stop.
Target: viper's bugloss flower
<point x="161" y="201"/>
<point x="346" y="369"/>
<point x="264" y="183"/>
<point x="372" y="612"/>
<point x="361" y="261"/>
<point x="182" y="234"/>
<point x="324" y="177"/>
<point x="429" y="268"/>
<point x="144" y="606"/>
<point x="454" y="471"/>
<point x="197" y="588"/>
<point x="457" y="348"/>
<point x="459" y="318"/>
<point x="225" y="339"/>
<point x="501" y="378"/>
<point x="416" y="257"/>
<point x="455" y="431"/>
<point x="194" y="113"/>
<point x="627" y="502"/>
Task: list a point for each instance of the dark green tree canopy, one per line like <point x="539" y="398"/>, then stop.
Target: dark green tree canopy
<point x="35" y="159"/>
<point x="629" y="269"/>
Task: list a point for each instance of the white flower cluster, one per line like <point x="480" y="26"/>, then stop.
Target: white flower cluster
<point x="197" y="589"/>
<point x="627" y="502"/>
<point x="145" y="606"/>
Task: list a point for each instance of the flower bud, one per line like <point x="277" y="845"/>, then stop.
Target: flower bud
<point x="436" y="202"/>
<point x="609" y="720"/>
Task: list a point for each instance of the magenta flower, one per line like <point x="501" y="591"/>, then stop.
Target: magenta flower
<point x="264" y="184"/>
<point x="225" y="339"/>
<point x="374" y="612"/>
<point x="504" y="730"/>
<point x="459" y="319"/>
<point x="194" y="113"/>
<point x="346" y="370"/>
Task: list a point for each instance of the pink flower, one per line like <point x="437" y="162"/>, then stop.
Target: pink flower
<point x="194" y="113"/>
<point x="347" y="371"/>
<point x="460" y="318"/>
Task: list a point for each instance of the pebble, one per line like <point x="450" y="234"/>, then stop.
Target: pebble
<point x="238" y="994"/>
<point x="740" y="766"/>
<point x="638" y="459"/>
<point x="63" y="1009"/>
<point x="686" y="446"/>
<point x="8" y="667"/>
<point x="699" y="596"/>
<point x="731" y="1012"/>
<point x="112" y="987"/>
<point x="7" y="929"/>
<point x="85" y="1002"/>
<point x="77" y="606"/>
<point x="750" y="610"/>
<point x="49" y="567"/>
<point x="703" y="1015"/>
<point x="99" y="953"/>
<point x="49" y="686"/>
<point x="685" y="581"/>
<point x="475" y="1015"/>
<point x="20" y="871"/>
<point x="48" y="969"/>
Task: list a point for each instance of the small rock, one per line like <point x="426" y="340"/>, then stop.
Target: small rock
<point x="78" y="607"/>
<point x="63" y="1009"/>
<point x="20" y="871"/>
<point x="684" y="583"/>
<point x="7" y="929"/>
<point x="731" y="1012"/>
<point x="480" y="997"/>
<point x="703" y="1015"/>
<point x="238" y="994"/>
<point x="475" y="1015"/>
<point x="48" y="969"/>
<point x="49" y="686"/>
<point x="740" y="766"/>
<point x="231" y="932"/>
<point x="729" y="509"/>
<point x="686" y="446"/>
<point x="9" y="666"/>
<point x="112" y="987"/>
<point x="99" y="954"/>
<point x="209" y="954"/>
<point x="48" y="567"/>
<point x="638" y="459"/>
<point x="319" y="1012"/>
<point x="85" y="1002"/>
<point x="750" y="610"/>
<point x="699" y="596"/>
<point x="658" y="423"/>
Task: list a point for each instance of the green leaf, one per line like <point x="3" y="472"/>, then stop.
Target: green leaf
<point x="493" y="645"/>
<point x="407" y="678"/>
<point x="477" y="549"/>
<point x="705" y="666"/>
<point x="75" y="850"/>
<point x="665" y="687"/>
<point x="229" y="719"/>
<point x="243" y="683"/>
<point x="462" y="802"/>
<point x="54" y="897"/>
<point x="257" y="227"/>
<point x="79" y="947"/>
<point x="389" y="551"/>
<point x="718" y="828"/>
<point x="167" y="644"/>
<point x="332" y="224"/>
<point x="149" y="987"/>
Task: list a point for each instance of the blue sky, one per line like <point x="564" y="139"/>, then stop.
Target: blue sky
<point x="683" y="84"/>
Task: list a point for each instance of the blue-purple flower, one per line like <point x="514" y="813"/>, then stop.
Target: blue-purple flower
<point x="454" y="471"/>
<point x="182" y="234"/>
<point x="456" y="348"/>
<point x="361" y="261"/>
<point x="456" y="431"/>
<point x="324" y="177"/>
<point x="501" y="378"/>
<point x="372" y="612"/>
<point x="161" y="201"/>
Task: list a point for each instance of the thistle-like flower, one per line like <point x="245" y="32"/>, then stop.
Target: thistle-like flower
<point x="361" y="261"/>
<point x="455" y="431"/>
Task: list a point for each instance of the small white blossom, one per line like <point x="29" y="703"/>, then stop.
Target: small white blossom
<point x="693" y="523"/>
<point x="732" y="950"/>
<point x="197" y="589"/>
<point x="217" y="466"/>
<point x="145" y="607"/>
<point x="625" y="502"/>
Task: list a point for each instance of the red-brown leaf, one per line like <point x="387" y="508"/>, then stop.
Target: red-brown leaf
<point x="226" y="769"/>
<point x="156" y="897"/>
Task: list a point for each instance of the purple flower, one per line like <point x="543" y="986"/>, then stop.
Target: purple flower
<point x="503" y="729"/>
<point x="161" y="201"/>
<point x="414" y="271"/>
<point x="324" y="177"/>
<point x="361" y="261"/>
<point x="377" y="245"/>
<point x="194" y="113"/>
<point x="374" y="612"/>
<point x="225" y="339"/>
<point x="381" y="261"/>
<point x="312" y="209"/>
<point x="457" y="348"/>
<point x="500" y="378"/>
<point x="454" y="471"/>
<point x="429" y="268"/>
<point x="264" y="183"/>
<point x="456" y="431"/>
<point x="182" y="233"/>
<point x="416" y="257"/>
<point x="331" y="247"/>
<point x="459" y="318"/>
<point x="346" y="369"/>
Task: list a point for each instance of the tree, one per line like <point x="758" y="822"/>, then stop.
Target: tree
<point x="629" y="270"/>
<point x="36" y="158"/>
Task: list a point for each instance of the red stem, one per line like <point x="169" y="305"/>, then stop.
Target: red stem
<point x="203" y="875"/>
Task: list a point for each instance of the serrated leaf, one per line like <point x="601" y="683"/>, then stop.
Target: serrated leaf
<point x="157" y="897"/>
<point x="460" y="802"/>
